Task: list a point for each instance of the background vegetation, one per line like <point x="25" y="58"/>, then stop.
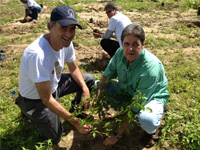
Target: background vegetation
<point x="181" y="127"/>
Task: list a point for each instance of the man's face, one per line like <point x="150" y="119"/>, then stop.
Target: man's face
<point x="132" y="47"/>
<point x="110" y="12"/>
<point x="62" y="35"/>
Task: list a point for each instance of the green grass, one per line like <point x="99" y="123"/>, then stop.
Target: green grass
<point x="181" y="127"/>
<point x="8" y="13"/>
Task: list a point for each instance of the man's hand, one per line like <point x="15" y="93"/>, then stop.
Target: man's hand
<point x="96" y="35"/>
<point x="84" y="129"/>
<point x="24" y="20"/>
<point x="109" y="141"/>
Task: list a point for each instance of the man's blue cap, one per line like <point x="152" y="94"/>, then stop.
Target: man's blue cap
<point x="65" y="16"/>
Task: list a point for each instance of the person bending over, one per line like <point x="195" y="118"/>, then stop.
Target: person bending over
<point x="32" y="9"/>
<point x="117" y="23"/>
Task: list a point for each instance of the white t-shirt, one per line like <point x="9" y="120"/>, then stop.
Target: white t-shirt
<point x="117" y="24"/>
<point x="30" y="3"/>
<point x="41" y="63"/>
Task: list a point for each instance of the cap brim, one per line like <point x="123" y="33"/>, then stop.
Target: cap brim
<point x="68" y="22"/>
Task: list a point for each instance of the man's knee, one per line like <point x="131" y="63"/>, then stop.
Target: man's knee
<point x="148" y="121"/>
<point x="52" y="133"/>
<point x="57" y="138"/>
<point x="103" y="41"/>
<point x="89" y="79"/>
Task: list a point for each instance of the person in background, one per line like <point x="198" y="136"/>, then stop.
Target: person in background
<point x="137" y="70"/>
<point x="2" y="57"/>
<point x="117" y="23"/>
<point x="42" y="83"/>
<point x="32" y="9"/>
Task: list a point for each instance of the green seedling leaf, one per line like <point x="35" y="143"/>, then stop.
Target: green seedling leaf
<point x="116" y="114"/>
<point x="140" y="106"/>
<point x="82" y="123"/>
<point x="89" y="99"/>
<point x="130" y="114"/>
<point x="94" y="134"/>
<point x="121" y="108"/>
<point x="149" y="109"/>
<point x="108" y="130"/>
<point x="90" y="107"/>
<point x="106" y="125"/>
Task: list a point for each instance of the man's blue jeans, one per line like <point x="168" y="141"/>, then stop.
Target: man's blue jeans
<point x="148" y="121"/>
<point x="34" y="12"/>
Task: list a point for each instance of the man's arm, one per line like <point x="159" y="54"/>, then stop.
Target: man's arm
<point x="78" y="77"/>
<point x="107" y="35"/>
<point x="103" y="84"/>
<point x="44" y="89"/>
<point x="27" y="12"/>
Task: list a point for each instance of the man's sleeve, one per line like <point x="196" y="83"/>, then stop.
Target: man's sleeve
<point x="111" y="69"/>
<point x="29" y="3"/>
<point x="69" y="53"/>
<point x="112" y="24"/>
<point x="107" y="34"/>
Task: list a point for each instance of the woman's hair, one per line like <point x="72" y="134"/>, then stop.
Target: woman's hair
<point x="134" y="29"/>
<point x="110" y="5"/>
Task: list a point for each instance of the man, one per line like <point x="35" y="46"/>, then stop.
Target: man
<point x="118" y="22"/>
<point x="137" y="70"/>
<point x="32" y="9"/>
<point x="2" y="57"/>
<point x="41" y="82"/>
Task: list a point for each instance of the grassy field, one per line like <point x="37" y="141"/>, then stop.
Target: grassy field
<point x="177" y="45"/>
